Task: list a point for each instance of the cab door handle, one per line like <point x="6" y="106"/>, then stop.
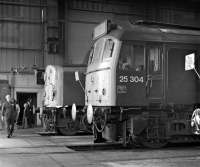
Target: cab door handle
<point x="151" y="84"/>
<point x="149" y="78"/>
<point x="147" y="82"/>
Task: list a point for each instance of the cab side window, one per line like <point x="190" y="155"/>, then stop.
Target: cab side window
<point x="132" y="57"/>
<point x="91" y="55"/>
<point x="95" y="53"/>
<point x="108" y="49"/>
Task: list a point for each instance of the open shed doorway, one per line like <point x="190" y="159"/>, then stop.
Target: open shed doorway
<point x="22" y="98"/>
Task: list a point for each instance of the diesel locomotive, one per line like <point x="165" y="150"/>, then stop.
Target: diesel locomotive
<point x="61" y="91"/>
<point x="142" y="83"/>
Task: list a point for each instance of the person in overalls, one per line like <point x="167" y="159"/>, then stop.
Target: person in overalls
<point x="9" y="115"/>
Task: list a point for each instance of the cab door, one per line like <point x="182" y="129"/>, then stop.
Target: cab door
<point x="154" y="81"/>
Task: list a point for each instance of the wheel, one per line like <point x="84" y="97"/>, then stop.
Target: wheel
<point x="195" y="121"/>
<point x="48" y="125"/>
<point x="154" y="135"/>
<point x="153" y="142"/>
<point x="71" y="128"/>
<point x="86" y="126"/>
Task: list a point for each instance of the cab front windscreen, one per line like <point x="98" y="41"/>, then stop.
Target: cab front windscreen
<point x="102" y="50"/>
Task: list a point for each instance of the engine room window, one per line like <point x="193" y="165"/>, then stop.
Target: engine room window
<point x="108" y="49"/>
<point x="132" y="57"/>
<point x="154" y="59"/>
<point x="139" y="57"/>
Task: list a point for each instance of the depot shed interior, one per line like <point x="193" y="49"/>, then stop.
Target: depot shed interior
<point x="36" y="33"/>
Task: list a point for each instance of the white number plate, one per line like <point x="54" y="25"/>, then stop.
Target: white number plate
<point x="131" y="79"/>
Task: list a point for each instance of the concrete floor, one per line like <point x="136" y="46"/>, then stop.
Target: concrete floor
<point x="28" y="149"/>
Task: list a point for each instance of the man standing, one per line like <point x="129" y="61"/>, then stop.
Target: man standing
<point x="10" y="114"/>
<point x="1" y="120"/>
<point x="29" y="113"/>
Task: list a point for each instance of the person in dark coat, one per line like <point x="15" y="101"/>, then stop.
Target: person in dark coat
<point x="29" y="113"/>
<point x="1" y="120"/>
<point x="9" y="114"/>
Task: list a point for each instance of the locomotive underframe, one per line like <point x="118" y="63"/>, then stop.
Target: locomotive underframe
<point x="60" y="121"/>
<point x="149" y="126"/>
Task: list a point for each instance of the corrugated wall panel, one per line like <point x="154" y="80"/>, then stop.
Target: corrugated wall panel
<point x="9" y="59"/>
<point x="12" y="58"/>
<point x="21" y="34"/>
<point x="79" y="41"/>
<point x="30" y="36"/>
<point x="55" y="59"/>
<point x="29" y="58"/>
<point x="8" y="35"/>
<point x="34" y="13"/>
<point x="3" y="60"/>
<point x="39" y="59"/>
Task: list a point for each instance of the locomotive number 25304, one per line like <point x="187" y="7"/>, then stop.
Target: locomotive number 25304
<point x="132" y="79"/>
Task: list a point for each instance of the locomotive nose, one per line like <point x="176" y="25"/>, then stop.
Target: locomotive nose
<point x="89" y="113"/>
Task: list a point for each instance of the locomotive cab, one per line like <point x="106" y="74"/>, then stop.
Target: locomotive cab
<point x="136" y="75"/>
<point x="100" y="88"/>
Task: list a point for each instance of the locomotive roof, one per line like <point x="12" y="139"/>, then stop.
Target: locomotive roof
<point x="156" y="34"/>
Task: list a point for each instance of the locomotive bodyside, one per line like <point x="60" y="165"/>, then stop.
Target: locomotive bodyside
<point x="142" y="88"/>
<point x="158" y="75"/>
